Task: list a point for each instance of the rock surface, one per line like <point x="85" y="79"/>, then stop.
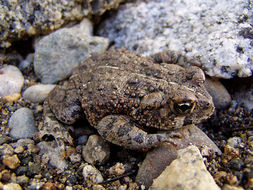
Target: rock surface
<point x="219" y="34"/>
<point x="11" y="80"/>
<point x="187" y="172"/>
<point x="37" y="93"/>
<point x="58" y="53"/>
<point x="245" y="95"/>
<point x="20" y="19"/>
<point x="22" y="124"/>
<point x="220" y="95"/>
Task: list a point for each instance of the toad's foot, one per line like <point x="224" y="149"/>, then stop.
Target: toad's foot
<point x="64" y="103"/>
<point x="120" y="130"/>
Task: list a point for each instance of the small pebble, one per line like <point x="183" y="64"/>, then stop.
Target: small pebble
<point x="26" y="62"/>
<point x="96" y="151"/>
<point x="5" y="176"/>
<point x="11" y="161"/>
<point x="219" y="93"/>
<point x="118" y="169"/>
<point x="82" y="140"/>
<point x="49" y="186"/>
<point x="231" y="187"/>
<point x="6" y="149"/>
<point x="12" y="186"/>
<point x="4" y="139"/>
<point x="92" y="175"/>
<point x="231" y="152"/>
<point x="11" y="98"/>
<point x="11" y="80"/>
<point x="19" y="149"/>
<point x="22" y="179"/>
<point x="234" y="141"/>
<point x="75" y="158"/>
<point x="37" y="93"/>
<point x="22" y="124"/>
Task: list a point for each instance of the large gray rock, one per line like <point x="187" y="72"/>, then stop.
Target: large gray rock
<point x="187" y="172"/>
<point x="20" y="19"/>
<point x="218" y="33"/>
<point x="11" y="80"/>
<point x="22" y="124"/>
<point x="58" y="53"/>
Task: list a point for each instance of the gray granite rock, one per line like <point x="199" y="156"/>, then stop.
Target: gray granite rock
<point x="37" y="93"/>
<point x="20" y="19"/>
<point x="22" y="124"/>
<point x="11" y="80"/>
<point x="58" y="53"/>
<point x="218" y="33"/>
<point x="187" y="172"/>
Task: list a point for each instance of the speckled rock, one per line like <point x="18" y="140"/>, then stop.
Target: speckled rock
<point x="22" y="124"/>
<point x="218" y="33"/>
<point x="11" y="80"/>
<point x="20" y="19"/>
<point x="96" y="151"/>
<point x="188" y="172"/>
<point x="37" y="93"/>
<point x="58" y="53"/>
<point x="91" y="175"/>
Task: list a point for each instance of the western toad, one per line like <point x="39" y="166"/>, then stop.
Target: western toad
<point x="125" y="95"/>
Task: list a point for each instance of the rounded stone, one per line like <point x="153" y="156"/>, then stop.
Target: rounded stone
<point x="58" y="53"/>
<point x="22" y="124"/>
<point x="11" y="161"/>
<point x="12" y="186"/>
<point x="11" y="80"/>
<point x="91" y="174"/>
<point x="37" y="93"/>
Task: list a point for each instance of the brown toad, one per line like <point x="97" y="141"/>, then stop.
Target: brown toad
<point x="124" y="95"/>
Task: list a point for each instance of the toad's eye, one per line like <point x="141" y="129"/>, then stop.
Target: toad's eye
<point x="183" y="107"/>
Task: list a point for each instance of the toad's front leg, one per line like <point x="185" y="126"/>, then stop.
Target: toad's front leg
<point x="122" y="131"/>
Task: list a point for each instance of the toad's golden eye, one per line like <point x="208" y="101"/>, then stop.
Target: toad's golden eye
<point x="183" y="107"/>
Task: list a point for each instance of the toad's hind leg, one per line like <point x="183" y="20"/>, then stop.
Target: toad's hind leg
<point x="64" y="103"/>
<point x="120" y="130"/>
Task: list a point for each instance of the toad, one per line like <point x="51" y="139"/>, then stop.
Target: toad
<point x="128" y="97"/>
